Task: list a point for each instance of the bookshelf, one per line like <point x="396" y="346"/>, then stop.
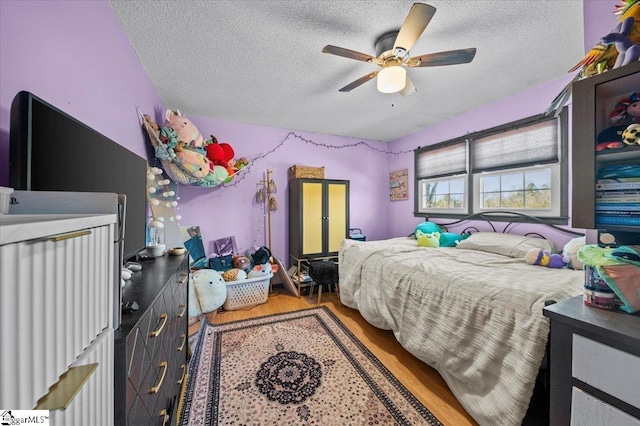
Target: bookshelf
<point x="597" y="199"/>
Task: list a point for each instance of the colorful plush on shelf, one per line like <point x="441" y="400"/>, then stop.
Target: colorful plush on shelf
<point x="603" y="56"/>
<point x="631" y="135"/>
<point x="620" y="37"/>
<point x="431" y="239"/>
<point x="610" y="138"/>
<point x="540" y="257"/>
<point x="626" y="110"/>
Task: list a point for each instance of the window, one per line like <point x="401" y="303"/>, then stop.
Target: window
<point x="519" y="167"/>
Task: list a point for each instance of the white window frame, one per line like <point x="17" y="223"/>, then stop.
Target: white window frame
<point x="463" y="210"/>
<point x="555" y="188"/>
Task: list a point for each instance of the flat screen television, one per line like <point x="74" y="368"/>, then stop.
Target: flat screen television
<point x="52" y="151"/>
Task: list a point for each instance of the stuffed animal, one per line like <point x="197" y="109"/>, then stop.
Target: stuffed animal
<point x="450" y="239"/>
<point x="610" y="138"/>
<point x="570" y="253"/>
<point x="260" y="270"/>
<point x="234" y="274"/>
<point x="431" y="239"/>
<point x="427" y="228"/>
<point x="627" y="51"/>
<point x="192" y="162"/>
<point x="544" y="258"/>
<point x="631" y="135"/>
<point x="242" y="262"/>
<point x="207" y="292"/>
<point x="186" y="130"/>
<point x="626" y="110"/>
<point x="261" y="256"/>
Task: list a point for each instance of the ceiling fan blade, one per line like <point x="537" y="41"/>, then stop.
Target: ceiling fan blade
<point x="359" y="82"/>
<point x="409" y="88"/>
<point x="414" y="24"/>
<point x="351" y="54"/>
<point x="450" y="57"/>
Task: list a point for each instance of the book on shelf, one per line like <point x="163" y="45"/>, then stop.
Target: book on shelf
<point x="618" y="206"/>
<point x="620" y="179"/>
<point x="618" y="200"/>
<point x="635" y="213"/>
<point x="620" y="193"/>
<point x="617" y="220"/>
<point x="616" y="185"/>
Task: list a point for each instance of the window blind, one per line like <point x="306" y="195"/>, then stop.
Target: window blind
<point x="447" y="160"/>
<point x="534" y="144"/>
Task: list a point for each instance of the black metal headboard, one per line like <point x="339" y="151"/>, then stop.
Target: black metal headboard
<point x="514" y="219"/>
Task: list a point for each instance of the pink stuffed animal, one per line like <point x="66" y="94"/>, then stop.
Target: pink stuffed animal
<point x="186" y="130"/>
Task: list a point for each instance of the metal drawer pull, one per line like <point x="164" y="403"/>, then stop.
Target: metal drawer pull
<point x="184" y="373"/>
<point x="157" y="331"/>
<point x="184" y="279"/>
<point x="62" y="393"/>
<point x="165" y="416"/>
<point x="184" y="309"/>
<point x="69" y="235"/>
<point x="164" y="366"/>
<point x="184" y="340"/>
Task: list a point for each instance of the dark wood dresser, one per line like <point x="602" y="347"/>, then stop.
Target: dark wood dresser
<point x="151" y="349"/>
<point x="595" y="365"/>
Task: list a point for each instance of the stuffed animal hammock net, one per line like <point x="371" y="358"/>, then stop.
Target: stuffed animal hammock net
<point x="183" y="164"/>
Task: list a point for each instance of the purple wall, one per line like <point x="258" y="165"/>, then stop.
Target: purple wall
<point x="531" y="102"/>
<point x="233" y="211"/>
<point x="75" y="55"/>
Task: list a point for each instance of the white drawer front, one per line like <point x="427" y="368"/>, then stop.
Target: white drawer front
<point x="587" y="410"/>
<point x="611" y="370"/>
<point x="93" y="405"/>
<point x="56" y="298"/>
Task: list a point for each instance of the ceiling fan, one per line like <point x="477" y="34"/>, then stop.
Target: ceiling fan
<point x="392" y="54"/>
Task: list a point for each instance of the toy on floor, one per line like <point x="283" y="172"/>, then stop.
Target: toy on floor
<point x="207" y="292"/>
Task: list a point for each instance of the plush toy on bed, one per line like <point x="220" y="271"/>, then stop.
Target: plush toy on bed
<point x="431" y="239"/>
<point x="540" y="257"/>
<point x="447" y="239"/>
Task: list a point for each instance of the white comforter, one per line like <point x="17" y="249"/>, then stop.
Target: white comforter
<point x="476" y="317"/>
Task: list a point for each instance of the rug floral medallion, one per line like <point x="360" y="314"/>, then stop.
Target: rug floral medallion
<point x="298" y="368"/>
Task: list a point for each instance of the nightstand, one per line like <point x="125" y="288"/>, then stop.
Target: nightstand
<point x="595" y="365"/>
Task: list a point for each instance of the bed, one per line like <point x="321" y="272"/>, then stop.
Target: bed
<point x="473" y="313"/>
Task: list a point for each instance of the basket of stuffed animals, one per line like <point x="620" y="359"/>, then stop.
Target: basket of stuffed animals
<point x="187" y="157"/>
<point x="248" y="292"/>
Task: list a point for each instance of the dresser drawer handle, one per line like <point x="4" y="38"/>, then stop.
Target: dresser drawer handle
<point x="68" y="235"/>
<point x="164" y="367"/>
<point x="184" y="340"/>
<point x="184" y="309"/>
<point x="157" y="331"/>
<point x="182" y="281"/>
<point x="184" y="373"/>
<point x="164" y="415"/>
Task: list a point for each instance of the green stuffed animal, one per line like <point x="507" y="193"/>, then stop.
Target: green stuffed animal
<point x="431" y="239"/>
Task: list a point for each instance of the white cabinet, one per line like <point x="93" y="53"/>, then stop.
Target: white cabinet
<point x="56" y="313"/>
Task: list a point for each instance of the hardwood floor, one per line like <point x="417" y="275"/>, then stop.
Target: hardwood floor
<point x="423" y="381"/>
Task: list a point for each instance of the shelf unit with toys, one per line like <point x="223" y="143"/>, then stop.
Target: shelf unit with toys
<point x="594" y="99"/>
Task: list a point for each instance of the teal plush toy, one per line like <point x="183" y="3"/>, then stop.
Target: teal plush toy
<point x="451" y="239"/>
<point x="427" y="228"/>
<point x="431" y="239"/>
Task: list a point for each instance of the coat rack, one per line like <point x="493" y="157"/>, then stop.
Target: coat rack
<point x="266" y="189"/>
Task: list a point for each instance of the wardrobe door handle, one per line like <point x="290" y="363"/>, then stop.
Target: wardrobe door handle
<point x="184" y="309"/>
<point x="68" y="235"/>
<point x="157" y="331"/>
<point x="184" y="340"/>
<point x="164" y="367"/>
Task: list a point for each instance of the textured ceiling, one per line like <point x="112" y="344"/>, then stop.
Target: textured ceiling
<point x="261" y="62"/>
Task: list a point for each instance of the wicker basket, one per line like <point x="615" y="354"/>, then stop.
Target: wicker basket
<point x="297" y="171"/>
<point x="246" y="293"/>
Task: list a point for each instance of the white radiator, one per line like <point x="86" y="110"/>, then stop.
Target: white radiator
<point x="56" y="298"/>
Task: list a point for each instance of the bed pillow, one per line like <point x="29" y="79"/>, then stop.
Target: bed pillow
<point x="505" y="244"/>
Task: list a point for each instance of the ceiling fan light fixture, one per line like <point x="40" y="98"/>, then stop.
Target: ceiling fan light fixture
<point x="392" y="79"/>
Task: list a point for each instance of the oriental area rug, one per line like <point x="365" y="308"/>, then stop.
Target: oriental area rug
<point x="297" y="368"/>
